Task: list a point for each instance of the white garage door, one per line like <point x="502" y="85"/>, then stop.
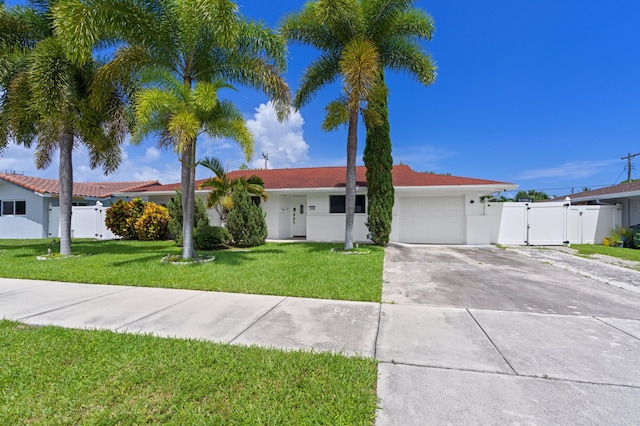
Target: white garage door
<point x="435" y="220"/>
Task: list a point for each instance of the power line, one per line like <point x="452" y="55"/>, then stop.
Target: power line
<point x="629" y="165"/>
<point x="567" y="187"/>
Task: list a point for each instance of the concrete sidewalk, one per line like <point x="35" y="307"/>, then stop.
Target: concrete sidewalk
<point x="270" y="321"/>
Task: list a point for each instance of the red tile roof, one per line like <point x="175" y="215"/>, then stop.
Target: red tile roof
<point x="80" y="189"/>
<point x="607" y="192"/>
<point x="334" y="177"/>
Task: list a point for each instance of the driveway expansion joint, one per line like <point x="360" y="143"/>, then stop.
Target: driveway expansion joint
<point x="259" y="319"/>
<point x="493" y="343"/>
<point x="519" y="376"/>
<point x="75" y="303"/>
<point x="375" y="341"/>
<point x="4" y="293"/>
<point x="124" y="326"/>
<point x="616" y="328"/>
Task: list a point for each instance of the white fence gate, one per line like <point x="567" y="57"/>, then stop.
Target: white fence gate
<point x="551" y="223"/>
<point x="86" y="222"/>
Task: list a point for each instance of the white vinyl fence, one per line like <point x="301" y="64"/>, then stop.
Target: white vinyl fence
<point x="551" y="223"/>
<point x="86" y="222"/>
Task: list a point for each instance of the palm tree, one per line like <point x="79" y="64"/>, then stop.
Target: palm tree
<point x="395" y="27"/>
<point x="336" y="28"/>
<point x="179" y="114"/>
<point x="222" y="187"/>
<point x="47" y="101"/>
<point x="195" y="41"/>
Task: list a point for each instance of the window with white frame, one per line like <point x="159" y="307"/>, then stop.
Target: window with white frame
<point x="14" y="208"/>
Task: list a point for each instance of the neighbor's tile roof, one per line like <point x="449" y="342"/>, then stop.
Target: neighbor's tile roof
<point x="334" y="177"/>
<point x="608" y="192"/>
<point x="80" y="189"/>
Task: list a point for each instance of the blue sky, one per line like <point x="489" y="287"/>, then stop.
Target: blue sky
<point x="542" y="93"/>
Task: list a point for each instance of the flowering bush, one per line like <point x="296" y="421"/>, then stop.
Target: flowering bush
<point x="137" y="220"/>
<point x="154" y="222"/>
<point x="121" y="218"/>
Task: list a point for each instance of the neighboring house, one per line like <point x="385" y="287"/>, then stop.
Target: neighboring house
<point x="627" y="195"/>
<point x="310" y="203"/>
<point x="29" y="205"/>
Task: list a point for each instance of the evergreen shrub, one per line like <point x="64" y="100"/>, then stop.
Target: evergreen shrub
<point x="246" y="221"/>
<point x="175" y="216"/>
<point x="207" y="237"/>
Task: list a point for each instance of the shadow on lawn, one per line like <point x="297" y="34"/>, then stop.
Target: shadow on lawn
<point x="30" y="248"/>
<point x="237" y="257"/>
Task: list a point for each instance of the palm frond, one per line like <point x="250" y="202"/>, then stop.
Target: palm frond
<point x="214" y="165"/>
<point x="305" y="28"/>
<point x="342" y="17"/>
<point x="336" y="115"/>
<point x="404" y="56"/>
<point x="205" y="95"/>
<point x="258" y="74"/>
<point x="320" y="73"/>
<point x="256" y="40"/>
<point x="228" y="122"/>
<point x="414" y="24"/>
<point x="184" y="127"/>
<point x="51" y="78"/>
<point x="359" y="68"/>
<point x="82" y="25"/>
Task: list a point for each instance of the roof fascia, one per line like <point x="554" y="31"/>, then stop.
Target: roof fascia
<point x="488" y="188"/>
<point x="628" y="194"/>
<point x="485" y="188"/>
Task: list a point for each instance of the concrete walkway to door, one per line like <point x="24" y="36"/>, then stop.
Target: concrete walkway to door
<point x="480" y="335"/>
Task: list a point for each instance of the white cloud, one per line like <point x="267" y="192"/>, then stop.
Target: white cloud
<point x="421" y="158"/>
<point x="152" y="154"/>
<point x="153" y="164"/>
<point x="574" y="169"/>
<point x="282" y="141"/>
<point x="20" y="159"/>
<point x="150" y="164"/>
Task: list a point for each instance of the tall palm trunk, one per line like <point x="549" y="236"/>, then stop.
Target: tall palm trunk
<point x="350" y="197"/>
<point x="188" y="194"/>
<point x="66" y="189"/>
<point x="188" y="200"/>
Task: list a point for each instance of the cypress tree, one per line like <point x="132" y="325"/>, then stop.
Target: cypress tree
<point x="245" y="222"/>
<point x="378" y="161"/>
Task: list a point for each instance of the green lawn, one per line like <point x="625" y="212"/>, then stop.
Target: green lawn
<point x="50" y="375"/>
<point x="286" y="269"/>
<point x="622" y="253"/>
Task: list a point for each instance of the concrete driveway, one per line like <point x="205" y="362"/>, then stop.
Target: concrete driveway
<point x="481" y="335"/>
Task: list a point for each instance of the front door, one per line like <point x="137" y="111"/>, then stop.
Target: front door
<point x="299" y="216"/>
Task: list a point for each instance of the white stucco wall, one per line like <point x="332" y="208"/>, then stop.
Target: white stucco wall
<point x="325" y="226"/>
<point x="34" y="223"/>
<point x="274" y="216"/>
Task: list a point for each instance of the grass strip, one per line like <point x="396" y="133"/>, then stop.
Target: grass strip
<point x="284" y="269"/>
<point x="51" y="375"/>
<point x="619" y="252"/>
